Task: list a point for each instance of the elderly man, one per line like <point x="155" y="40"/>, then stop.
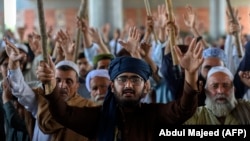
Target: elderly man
<point x="97" y="83"/>
<point x="212" y="57"/>
<point x="66" y="76"/>
<point x="221" y="106"/>
<point x="122" y="116"/>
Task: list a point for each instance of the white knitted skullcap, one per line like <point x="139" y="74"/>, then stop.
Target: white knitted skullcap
<point x="220" y="69"/>
<point x="70" y="64"/>
<point x="95" y="73"/>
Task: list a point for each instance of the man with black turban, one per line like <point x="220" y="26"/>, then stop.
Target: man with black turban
<point x="122" y="116"/>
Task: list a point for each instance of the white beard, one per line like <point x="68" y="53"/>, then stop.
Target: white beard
<point x="221" y="109"/>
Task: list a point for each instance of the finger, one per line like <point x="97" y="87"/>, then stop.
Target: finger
<point x="123" y="43"/>
<point x="199" y="50"/>
<point x="192" y="45"/>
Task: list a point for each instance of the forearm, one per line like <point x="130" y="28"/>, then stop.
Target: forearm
<point x="162" y="35"/>
<point x="74" y="118"/>
<point x="154" y="68"/>
<point x="191" y="79"/>
<point x="189" y="99"/>
<point x="103" y="47"/>
<point x="22" y="91"/>
<point x="87" y="40"/>
<point x="90" y="52"/>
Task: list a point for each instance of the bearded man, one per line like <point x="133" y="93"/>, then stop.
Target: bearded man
<point x="221" y="106"/>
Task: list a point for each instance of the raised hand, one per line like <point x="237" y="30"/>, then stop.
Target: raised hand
<point x="145" y="49"/>
<point x="96" y="36"/>
<point x="12" y="51"/>
<point x="83" y="25"/>
<point x="233" y="26"/>
<point x="35" y="43"/>
<point x="66" y="44"/>
<point x="245" y="77"/>
<point x="190" y="17"/>
<point x="46" y="72"/>
<point x="132" y="43"/>
<point x="192" y="59"/>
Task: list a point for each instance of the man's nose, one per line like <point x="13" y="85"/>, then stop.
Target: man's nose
<point x="221" y="89"/>
<point x="62" y="84"/>
<point x="128" y="84"/>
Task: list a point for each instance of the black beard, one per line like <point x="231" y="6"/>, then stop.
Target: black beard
<point x="128" y="104"/>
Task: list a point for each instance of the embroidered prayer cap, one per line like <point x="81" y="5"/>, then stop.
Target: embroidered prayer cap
<point x="129" y="64"/>
<point x="69" y="64"/>
<point x="94" y="73"/>
<point x="220" y="69"/>
<point x="101" y="57"/>
<point x="23" y="47"/>
<point x="214" y="52"/>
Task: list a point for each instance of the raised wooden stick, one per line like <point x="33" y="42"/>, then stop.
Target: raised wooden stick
<point x="42" y="29"/>
<point x="43" y="38"/>
<point x="147" y="6"/>
<point x="172" y="39"/>
<point x="83" y="10"/>
<point x="236" y="34"/>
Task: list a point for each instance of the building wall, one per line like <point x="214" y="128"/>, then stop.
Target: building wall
<point x="62" y="13"/>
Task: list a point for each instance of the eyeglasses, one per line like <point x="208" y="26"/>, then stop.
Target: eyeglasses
<point x="135" y="80"/>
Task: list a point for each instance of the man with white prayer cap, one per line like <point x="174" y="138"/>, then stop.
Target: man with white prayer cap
<point x="221" y="106"/>
<point x="97" y="83"/>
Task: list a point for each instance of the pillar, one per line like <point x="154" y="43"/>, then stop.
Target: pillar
<point x="217" y="18"/>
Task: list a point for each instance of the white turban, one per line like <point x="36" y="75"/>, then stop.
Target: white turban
<point x="22" y="47"/>
<point x="94" y="73"/>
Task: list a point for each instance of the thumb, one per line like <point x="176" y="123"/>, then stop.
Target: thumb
<point x="50" y="62"/>
<point x="124" y="44"/>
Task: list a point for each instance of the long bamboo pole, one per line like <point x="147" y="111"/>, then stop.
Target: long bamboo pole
<point x="235" y="34"/>
<point x="42" y="29"/>
<point x="172" y="40"/>
<point x="83" y="12"/>
<point x="149" y="13"/>
<point x="43" y="38"/>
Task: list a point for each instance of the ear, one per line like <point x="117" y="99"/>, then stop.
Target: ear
<point x="146" y="88"/>
<point x="77" y="84"/>
<point x="112" y="86"/>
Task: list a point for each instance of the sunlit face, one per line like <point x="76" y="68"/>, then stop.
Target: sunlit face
<point x="128" y="89"/>
<point x="4" y="67"/>
<point x="208" y="63"/>
<point x="99" y="88"/>
<point x="68" y="81"/>
<point x="83" y="65"/>
<point x="103" y="64"/>
<point x="220" y="94"/>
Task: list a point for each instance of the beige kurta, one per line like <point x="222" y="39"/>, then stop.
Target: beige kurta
<point x="49" y="126"/>
<point x="239" y="116"/>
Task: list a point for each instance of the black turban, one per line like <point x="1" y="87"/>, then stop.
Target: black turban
<point x="129" y="64"/>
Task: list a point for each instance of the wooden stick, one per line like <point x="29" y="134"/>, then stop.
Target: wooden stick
<point x="83" y="10"/>
<point x="176" y="67"/>
<point x="42" y="29"/>
<point x="172" y="33"/>
<point x="236" y="34"/>
<point x="43" y="33"/>
<point x="147" y="6"/>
